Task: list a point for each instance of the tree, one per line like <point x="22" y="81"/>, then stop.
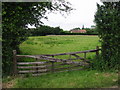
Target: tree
<point x="46" y="30"/>
<point x="107" y="19"/>
<point x="83" y="27"/>
<point x="15" y="18"/>
<point x="76" y="28"/>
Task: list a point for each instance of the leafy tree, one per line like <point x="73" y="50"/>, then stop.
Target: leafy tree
<point x="107" y="19"/>
<point x="83" y="27"/>
<point x="46" y="30"/>
<point x="91" y="31"/>
<point x="15" y="18"/>
<point x="57" y="31"/>
<point x="76" y="28"/>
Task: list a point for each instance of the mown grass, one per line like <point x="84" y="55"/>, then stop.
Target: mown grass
<point x="74" y="79"/>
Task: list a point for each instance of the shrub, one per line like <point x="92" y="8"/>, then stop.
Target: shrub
<point x="108" y="21"/>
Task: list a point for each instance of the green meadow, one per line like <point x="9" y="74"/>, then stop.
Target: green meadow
<point x="59" y="44"/>
<point x="71" y="79"/>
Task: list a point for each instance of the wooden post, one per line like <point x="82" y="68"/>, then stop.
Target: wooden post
<point x="52" y="68"/>
<point x="36" y="65"/>
<point x="85" y="55"/>
<point x="14" y="63"/>
<point x="97" y="52"/>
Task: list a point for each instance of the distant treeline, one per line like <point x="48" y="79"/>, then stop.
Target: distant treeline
<point x="47" y="30"/>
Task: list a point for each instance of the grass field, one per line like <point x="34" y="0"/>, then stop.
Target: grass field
<point x="59" y="44"/>
<point x="74" y="79"/>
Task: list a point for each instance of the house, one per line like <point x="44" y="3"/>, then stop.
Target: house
<point x="78" y="31"/>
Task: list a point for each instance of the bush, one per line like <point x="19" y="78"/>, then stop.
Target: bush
<point x="98" y="63"/>
<point x="108" y="21"/>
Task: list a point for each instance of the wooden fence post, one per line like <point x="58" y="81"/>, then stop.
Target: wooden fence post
<point x="52" y="66"/>
<point x="14" y="63"/>
<point x="37" y="65"/>
<point x="85" y="55"/>
<point x="97" y="52"/>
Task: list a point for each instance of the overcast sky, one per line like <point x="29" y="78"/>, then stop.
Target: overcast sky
<point x="83" y="15"/>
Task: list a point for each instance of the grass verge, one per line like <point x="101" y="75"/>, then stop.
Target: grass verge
<point x="74" y="79"/>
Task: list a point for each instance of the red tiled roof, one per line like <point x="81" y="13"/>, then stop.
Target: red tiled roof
<point x="78" y="31"/>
